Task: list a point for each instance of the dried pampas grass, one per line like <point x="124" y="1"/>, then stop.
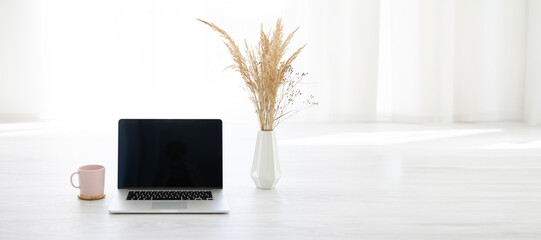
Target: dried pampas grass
<point x="270" y="81"/>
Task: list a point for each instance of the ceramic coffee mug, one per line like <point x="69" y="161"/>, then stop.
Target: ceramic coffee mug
<point x="91" y="181"/>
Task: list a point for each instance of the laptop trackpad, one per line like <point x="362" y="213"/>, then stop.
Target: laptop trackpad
<point x="169" y="205"/>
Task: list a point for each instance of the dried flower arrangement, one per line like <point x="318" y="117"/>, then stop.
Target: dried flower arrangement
<point x="271" y="82"/>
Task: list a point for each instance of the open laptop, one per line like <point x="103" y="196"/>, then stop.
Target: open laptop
<point x="169" y="166"/>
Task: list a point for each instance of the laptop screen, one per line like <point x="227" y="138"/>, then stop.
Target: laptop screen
<point x="169" y="153"/>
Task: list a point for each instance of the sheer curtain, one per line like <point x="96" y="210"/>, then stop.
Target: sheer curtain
<point x="532" y="84"/>
<point x="369" y="60"/>
<point x="437" y="61"/>
<point x="460" y="60"/>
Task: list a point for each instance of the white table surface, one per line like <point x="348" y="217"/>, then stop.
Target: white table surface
<point x="340" y="181"/>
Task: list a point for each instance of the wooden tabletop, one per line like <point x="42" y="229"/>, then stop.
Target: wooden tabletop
<point x="339" y="181"/>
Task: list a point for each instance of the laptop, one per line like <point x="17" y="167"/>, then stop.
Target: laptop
<point x="169" y="166"/>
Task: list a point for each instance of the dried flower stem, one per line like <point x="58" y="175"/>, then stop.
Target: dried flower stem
<point x="271" y="83"/>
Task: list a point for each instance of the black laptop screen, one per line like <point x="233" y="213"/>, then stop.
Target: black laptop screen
<point x="173" y="153"/>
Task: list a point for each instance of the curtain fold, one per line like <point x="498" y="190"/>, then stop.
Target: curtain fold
<point x="532" y="86"/>
<point x="23" y="75"/>
<point x="341" y="58"/>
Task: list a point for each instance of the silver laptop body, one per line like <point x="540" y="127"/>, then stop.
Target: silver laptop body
<point x="169" y="166"/>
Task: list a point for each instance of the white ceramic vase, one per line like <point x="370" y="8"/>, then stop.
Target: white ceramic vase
<point x="266" y="166"/>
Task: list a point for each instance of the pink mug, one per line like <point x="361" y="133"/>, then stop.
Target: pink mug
<point x="91" y="181"/>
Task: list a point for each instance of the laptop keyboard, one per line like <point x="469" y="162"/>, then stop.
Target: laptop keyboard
<point x="169" y="195"/>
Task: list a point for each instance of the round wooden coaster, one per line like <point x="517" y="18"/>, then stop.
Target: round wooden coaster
<point x="91" y="198"/>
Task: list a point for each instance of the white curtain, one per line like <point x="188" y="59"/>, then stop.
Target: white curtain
<point x="369" y="60"/>
<point x="460" y="60"/>
<point x="22" y="72"/>
<point x="532" y="84"/>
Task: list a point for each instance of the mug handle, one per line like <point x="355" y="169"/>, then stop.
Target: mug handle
<point x="71" y="180"/>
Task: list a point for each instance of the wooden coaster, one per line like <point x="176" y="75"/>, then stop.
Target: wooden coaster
<point x="91" y="198"/>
